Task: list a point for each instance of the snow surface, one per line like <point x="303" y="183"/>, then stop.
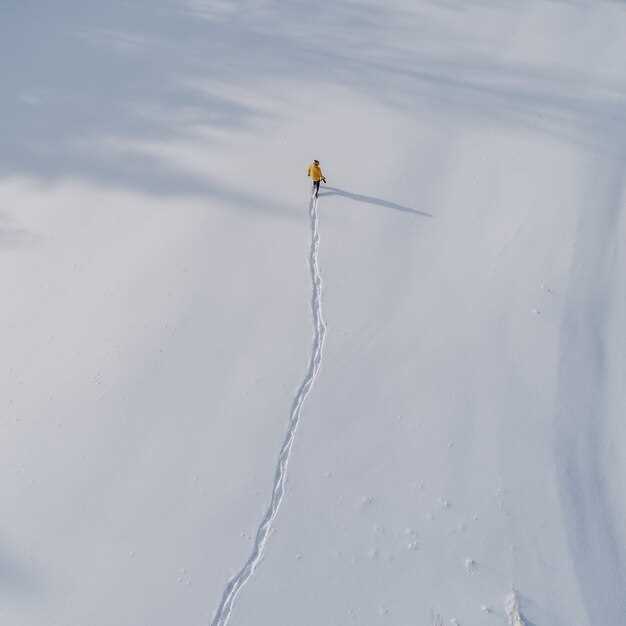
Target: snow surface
<point x="458" y="455"/>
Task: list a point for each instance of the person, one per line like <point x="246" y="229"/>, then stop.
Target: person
<point x="315" y="172"/>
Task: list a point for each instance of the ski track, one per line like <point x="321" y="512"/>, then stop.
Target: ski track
<point x="236" y="584"/>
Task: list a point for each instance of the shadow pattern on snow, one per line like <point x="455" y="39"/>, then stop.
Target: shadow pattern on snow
<point x="95" y="81"/>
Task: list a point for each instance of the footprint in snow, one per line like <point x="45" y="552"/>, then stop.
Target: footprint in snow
<point x="367" y="501"/>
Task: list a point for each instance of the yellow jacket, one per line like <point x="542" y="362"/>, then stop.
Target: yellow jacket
<point x="315" y="172"/>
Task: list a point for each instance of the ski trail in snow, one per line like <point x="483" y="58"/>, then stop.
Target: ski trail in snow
<point x="236" y="584"/>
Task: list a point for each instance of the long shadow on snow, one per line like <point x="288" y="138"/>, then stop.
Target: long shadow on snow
<point x="334" y="191"/>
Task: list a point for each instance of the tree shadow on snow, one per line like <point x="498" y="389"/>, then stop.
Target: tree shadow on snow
<point x="334" y="191"/>
<point x="98" y="91"/>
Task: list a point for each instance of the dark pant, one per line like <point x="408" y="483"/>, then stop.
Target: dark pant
<point x="316" y="187"/>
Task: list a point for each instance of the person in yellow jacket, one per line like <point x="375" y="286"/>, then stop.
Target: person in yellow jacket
<point x="315" y="172"/>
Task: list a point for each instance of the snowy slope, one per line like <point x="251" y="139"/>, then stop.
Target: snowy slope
<point x="462" y="438"/>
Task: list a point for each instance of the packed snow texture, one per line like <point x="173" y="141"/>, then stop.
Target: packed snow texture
<point x="164" y="276"/>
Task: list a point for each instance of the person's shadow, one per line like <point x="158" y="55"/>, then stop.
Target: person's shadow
<point x="334" y="191"/>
